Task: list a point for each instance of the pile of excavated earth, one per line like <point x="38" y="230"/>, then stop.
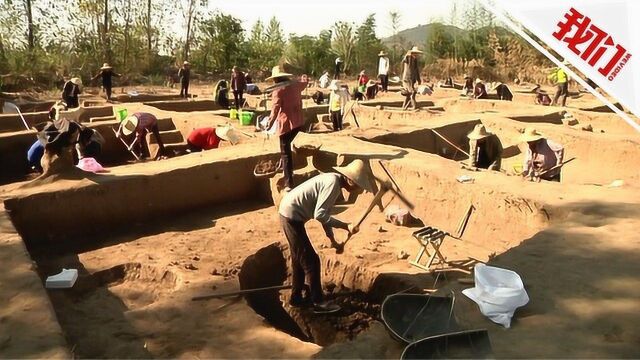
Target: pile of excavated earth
<point x="147" y="237"/>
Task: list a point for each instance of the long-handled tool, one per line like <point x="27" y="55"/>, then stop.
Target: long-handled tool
<point x="126" y="145"/>
<point x="24" y="122"/>
<point x="384" y="188"/>
<point x="539" y="175"/>
<point x="240" y="292"/>
<point x="449" y="142"/>
<point x="462" y="225"/>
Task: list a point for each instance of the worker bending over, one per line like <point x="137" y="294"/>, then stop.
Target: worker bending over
<point x="485" y="149"/>
<point x="544" y="157"/>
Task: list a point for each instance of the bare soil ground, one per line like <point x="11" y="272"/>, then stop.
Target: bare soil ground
<point x="575" y="245"/>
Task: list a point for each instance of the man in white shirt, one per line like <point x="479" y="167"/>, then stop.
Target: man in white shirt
<point x="314" y="199"/>
<point x="383" y="70"/>
<point x="324" y="80"/>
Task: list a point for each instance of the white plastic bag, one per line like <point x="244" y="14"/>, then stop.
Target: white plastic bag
<point x="498" y="293"/>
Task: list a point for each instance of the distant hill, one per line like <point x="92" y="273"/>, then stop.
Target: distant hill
<point x="418" y="35"/>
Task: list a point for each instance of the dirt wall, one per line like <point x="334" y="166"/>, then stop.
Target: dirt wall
<point x="118" y="202"/>
<point x="13" y="122"/>
<point x="13" y="154"/>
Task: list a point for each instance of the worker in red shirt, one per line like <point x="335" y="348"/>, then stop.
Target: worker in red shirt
<point x="209" y="138"/>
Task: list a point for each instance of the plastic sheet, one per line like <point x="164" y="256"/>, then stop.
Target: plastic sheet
<point x="498" y="292"/>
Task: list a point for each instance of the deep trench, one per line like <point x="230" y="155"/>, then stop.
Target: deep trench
<point x="268" y="267"/>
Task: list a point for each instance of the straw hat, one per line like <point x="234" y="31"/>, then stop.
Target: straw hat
<point x="478" y="81"/>
<point x="129" y="125"/>
<point x="227" y="133"/>
<point x="76" y="81"/>
<point x="277" y="71"/>
<point x="382" y="53"/>
<point x="467" y="76"/>
<point x="356" y="172"/>
<point x="414" y="50"/>
<point x="479" y="132"/>
<point x="362" y="72"/>
<point x="105" y="66"/>
<point x="335" y="85"/>
<point x="531" y="135"/>
<point x="185" y="63"/>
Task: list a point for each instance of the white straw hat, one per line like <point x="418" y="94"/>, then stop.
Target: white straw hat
<point x="76" y="81"/>
<point x="277" y="71"/>
<point x="479" y="132"/>
<point x="531" y="135"/>
<point x="227" y="133"/>
<point x="105" y="66"/>
<point x="356" y="172"/>
<point x="129" y="125"/>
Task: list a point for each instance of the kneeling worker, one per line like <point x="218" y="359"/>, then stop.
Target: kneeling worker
<point x="141" y="123"/>
<point x="485" y="149"/>
<point x="543" y="158"/>
<point x="314" y="199"/>
<point x="209" y="138"/>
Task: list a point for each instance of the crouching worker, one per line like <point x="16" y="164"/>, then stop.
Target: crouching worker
<point x="209" y="138"/>
<point x="485" y="149"/>
<point x="141" y="124"/>
<point x="314" y="199"/>
<point x="544" y="157"/>
<point x="89" y="144"/>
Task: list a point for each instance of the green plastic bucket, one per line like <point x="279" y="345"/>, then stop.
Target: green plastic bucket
<point x="246" y="117"/>
<point x="122" y="114"/>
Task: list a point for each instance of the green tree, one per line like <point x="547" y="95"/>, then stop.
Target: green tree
<point x="367" y="46"/>
<point x="220" y="40"/>
<point x="343" y="43"/>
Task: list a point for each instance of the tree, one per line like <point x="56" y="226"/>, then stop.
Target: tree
<point x="221" y="41"/>
<point x="190" y="13"/>
<point x="265" y="47"/>
<point x="30" y="34"/>
<point x="367" y="45"/>
<point x="343" y="43"/>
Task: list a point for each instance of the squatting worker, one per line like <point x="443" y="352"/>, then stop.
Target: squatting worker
<point x="314" y="199"/>
<point x="185" y="75"/>
<point x="141" y="123"/>
<point x="480" y="91"/>
<point x="542" y="155"/>
<point x="107" y="74"/>
<point x="286" y="109"/>
<point x="70" y="92"/>
<point x="410" y="76"/>
<point x="485" y="149"/>
<point x="209" y="138"/>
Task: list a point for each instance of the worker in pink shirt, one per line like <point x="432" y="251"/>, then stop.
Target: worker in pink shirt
<point x="286" y="110"/>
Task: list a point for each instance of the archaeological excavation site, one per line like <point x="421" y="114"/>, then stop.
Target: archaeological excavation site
<point x="185" y="257"/>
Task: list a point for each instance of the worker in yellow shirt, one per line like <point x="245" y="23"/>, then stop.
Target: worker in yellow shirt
<point x="338" y="99"/>
<point x="560" y="78"/>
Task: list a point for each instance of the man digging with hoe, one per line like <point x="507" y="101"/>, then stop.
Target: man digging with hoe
<point x="314" y="199"/>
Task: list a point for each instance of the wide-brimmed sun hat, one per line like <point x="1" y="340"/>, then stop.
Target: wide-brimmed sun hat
<point x="185" y="63"/>
<point x="358" y="173"/>
<point x="382" y="53"/>
<point x="277" y="72"/>
<point x="335" y="85"/>
<point x="478" y="81"/>
<point x="362" y="72"/>
<point x="466" y="76"/>
<point x="479" y="132"/>
<point x="129" y="125"/>
<point x="531" y="135"/>
<point x="76" y="81"/>
<point x="105" y="66"/>
<point x="227" y="133"/>
<point x="414" y="50"/>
